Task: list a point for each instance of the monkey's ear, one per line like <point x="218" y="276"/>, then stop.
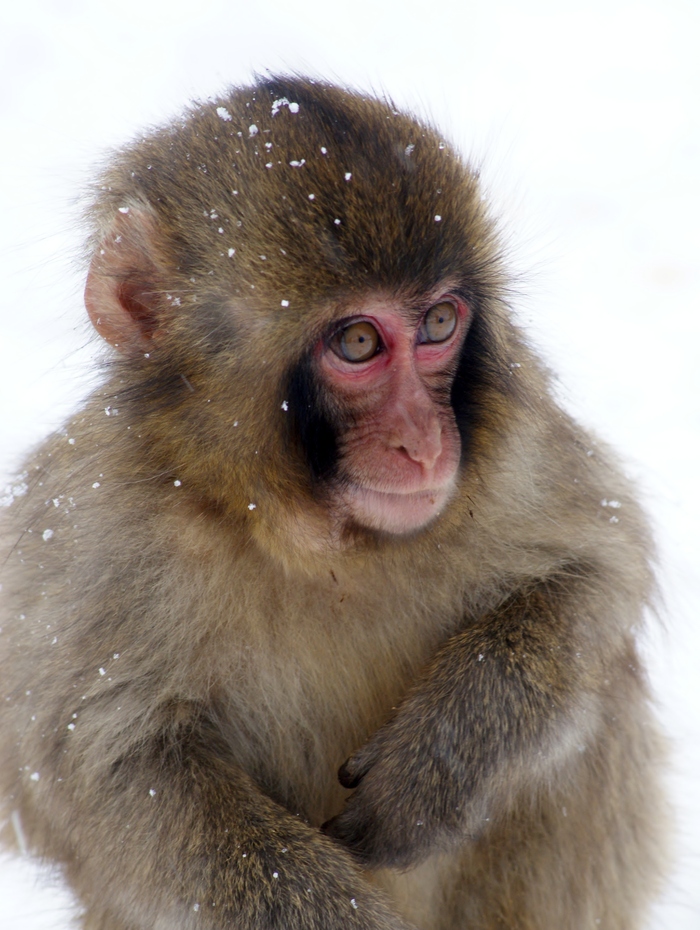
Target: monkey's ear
<point x="123" y="295"/>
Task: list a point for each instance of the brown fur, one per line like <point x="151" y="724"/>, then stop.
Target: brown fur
<point x="183" y="675"/>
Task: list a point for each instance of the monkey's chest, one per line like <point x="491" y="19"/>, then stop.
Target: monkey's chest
<point x="308" y="684"/>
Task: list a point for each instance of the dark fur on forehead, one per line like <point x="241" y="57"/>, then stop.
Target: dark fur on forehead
<point x="266" y="215"/>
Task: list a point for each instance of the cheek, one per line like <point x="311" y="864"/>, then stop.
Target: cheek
<point x="452" y="441"/>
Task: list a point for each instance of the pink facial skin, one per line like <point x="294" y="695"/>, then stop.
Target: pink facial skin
<point x="402" y="451"/>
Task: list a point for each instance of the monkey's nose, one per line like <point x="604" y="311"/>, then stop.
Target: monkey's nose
<point x="421" y="443"/>
<point x="425" y="453"/>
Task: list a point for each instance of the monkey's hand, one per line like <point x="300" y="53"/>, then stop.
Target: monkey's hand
<point x="495" y="710"/>
<point x="411" y="782"/>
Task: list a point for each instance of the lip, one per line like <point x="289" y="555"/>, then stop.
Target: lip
<point x="396" y="512"/>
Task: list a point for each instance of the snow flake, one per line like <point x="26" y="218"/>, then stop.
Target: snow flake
<point x="278" y="104"/>
<point x="223" y="114"/>
<point x="19" y="489"/>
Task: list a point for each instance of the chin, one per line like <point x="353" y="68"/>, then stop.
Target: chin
<point x="396" y="513"/>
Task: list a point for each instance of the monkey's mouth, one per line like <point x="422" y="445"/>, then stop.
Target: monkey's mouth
<point x="396" y="511"/>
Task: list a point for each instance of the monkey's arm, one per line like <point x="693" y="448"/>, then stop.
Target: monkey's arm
<point x="176" y="836"/>
<point x="503" y="703"/>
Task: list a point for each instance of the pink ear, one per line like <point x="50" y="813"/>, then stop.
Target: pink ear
<point x="122" y="290"/>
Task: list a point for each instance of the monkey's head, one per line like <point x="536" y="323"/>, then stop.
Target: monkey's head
<point x="305" y="292"/>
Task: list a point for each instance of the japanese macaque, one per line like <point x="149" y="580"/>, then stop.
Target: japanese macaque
<point x="321" y="613"/>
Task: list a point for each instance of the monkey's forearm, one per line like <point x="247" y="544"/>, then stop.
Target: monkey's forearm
<point x="175" y="834"/>
<point x="503" y="703"/>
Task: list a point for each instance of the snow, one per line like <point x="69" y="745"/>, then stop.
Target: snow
<point x="584" y="119"/>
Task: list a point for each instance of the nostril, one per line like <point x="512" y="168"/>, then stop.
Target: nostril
<point x="423" y="455"/>
<point x="416" y="435"/>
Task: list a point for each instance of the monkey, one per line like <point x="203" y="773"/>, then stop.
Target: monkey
<point x="321" y="612"/>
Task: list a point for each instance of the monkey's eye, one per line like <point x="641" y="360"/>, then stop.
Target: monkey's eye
<point x="439" y="322"/>
<point x="358" y="342"/>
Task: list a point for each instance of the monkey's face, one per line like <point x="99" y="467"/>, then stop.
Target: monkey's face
<point x="304" y="298"/>
<point x="388" y="371"/>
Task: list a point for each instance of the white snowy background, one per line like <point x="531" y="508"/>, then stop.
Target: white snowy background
<point x="586" y="117"/>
